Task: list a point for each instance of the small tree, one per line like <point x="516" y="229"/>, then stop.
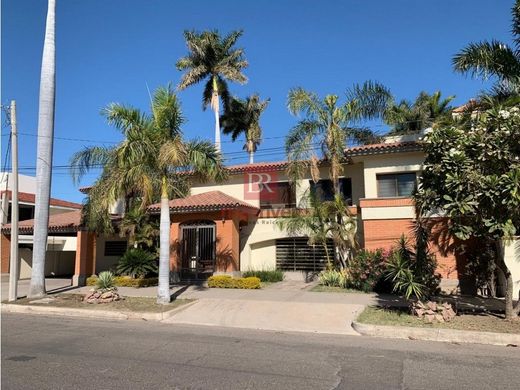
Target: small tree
<point x="472" y="176"/>
<point x="323" y="222"/>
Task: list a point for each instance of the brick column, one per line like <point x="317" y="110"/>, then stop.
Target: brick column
<point x="85" y="253"/>
<point x="227" y="245"/>
<point x="174" y="252"/>
<point x="5" y="249"/>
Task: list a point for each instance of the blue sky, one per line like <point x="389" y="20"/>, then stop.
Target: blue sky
<point x="108" y="51"/>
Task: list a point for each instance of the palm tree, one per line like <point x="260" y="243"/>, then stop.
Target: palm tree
<point x="214" y="59"/>
<point x="329" y="126"/>
<point x="407" y="118"/>
<point x="494" y="58"/>
<point x="149" y="164"/>
<point x="243" y="117"/>
<point x="139" y="228"/>
<point x="44" y="155"/>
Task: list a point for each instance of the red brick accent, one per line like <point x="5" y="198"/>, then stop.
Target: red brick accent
<point x="385" y="202"/>
<point x="5" y="252"/>
<point x="385" y="233"/>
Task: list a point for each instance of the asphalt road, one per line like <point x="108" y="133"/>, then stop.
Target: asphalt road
<point x="65" y="353"/>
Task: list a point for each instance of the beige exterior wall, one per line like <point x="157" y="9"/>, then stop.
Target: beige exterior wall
<point x="512" y="258"/>
<point x="399" y="212"/>
<point x="388" y="163"/>
<point x="235" y="185"/>
<point x="56" y="263"/>
<point x="103" y="263"/>
<point x="257" y="244"/>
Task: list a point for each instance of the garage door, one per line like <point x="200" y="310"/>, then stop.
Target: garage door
<point x="294" y="254"/>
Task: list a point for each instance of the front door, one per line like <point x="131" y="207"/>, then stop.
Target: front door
<point x="197" y="250"/>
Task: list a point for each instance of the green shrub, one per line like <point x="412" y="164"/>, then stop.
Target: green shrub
<point x="137" y="263"/>
<point x="226" y="281"/>
<point x="332" y="278"/>
<point x="105" y="280"/>
<point x="365" y="271"/>
<point x="251" y="282"/>
<point x="126" y="281"/>
<point x="412" y="273"/>
<point x="270" y="276"/>
<point x="92" y="280"/>
<point x="403" y="278"/>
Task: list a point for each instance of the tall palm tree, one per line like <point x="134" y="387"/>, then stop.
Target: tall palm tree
<point x="214" y="59"/>
<point x="243" y="117"/>
<point x="149" y="164"/>
<point x="494" y="58"/>
<point x="330" y="127"/>
<point x="44" y="155"/>
<point x="406" y="117"/>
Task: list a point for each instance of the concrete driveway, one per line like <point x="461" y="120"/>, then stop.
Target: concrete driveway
<point x="52" y="285"/>
<point x="318" y="317"/>
<point x="285" y="306"/>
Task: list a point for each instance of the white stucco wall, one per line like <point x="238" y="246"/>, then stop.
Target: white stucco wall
<point x="25" y="183"/>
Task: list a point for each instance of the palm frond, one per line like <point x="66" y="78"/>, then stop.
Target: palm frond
<point x="485" y="59"/>
<point x="368" y="100"/>
<point x="515" y="29"/>
<point x="89" y="158"/>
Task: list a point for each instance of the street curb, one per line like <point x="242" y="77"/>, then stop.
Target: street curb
<point x="444" y="335"/>
<point x="106" y="314"/>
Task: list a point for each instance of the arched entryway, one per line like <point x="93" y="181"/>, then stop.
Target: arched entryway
<point x="197" y="249"/>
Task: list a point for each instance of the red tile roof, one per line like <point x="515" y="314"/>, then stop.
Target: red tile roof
<point x="383" y="148"/>
<point x="261" y="166"/>
<point x="30" y="198"/>
<point x="58" y="223"/>
<point x="207" y="201"/>
<point x="471" y="105"/>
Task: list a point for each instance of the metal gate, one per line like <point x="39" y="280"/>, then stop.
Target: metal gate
<point x="197" y="250"/>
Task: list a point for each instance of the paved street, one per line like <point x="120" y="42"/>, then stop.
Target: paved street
<point x="64" y="353"/>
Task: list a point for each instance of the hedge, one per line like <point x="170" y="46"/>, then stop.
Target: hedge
<point x="126" y="281"/>
<point x="226" y="281"/>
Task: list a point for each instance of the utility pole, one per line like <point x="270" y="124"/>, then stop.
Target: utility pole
<point x="13" y="268"/>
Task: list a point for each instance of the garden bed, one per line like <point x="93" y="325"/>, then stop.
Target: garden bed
<point x="482" y="322"/>
<point x="128" y="304"/>
<point x="322" y="288"/>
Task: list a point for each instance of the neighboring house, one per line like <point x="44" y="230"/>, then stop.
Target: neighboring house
<point x="61" y="248"/>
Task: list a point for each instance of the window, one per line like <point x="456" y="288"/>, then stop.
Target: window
<point x="24" y="212"/>
<point x="324" y="191"/>
<point x="400" y="184"/>
<point x="115" y="248"/>
<point x="295" y="254"/>
<point x="277" y="196"/>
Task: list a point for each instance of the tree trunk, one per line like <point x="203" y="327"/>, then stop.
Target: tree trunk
<point x="44" y="155"/>
<point x="163" y="290"/>
<point x="510" y="311"/>
<point x="251" y="157"/>
<point x="215" y="105"/>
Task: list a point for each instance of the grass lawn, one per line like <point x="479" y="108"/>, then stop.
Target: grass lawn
<point x="134" y="304"/>
<point x="321" y="288"/>
<point x="483" y="322"/>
